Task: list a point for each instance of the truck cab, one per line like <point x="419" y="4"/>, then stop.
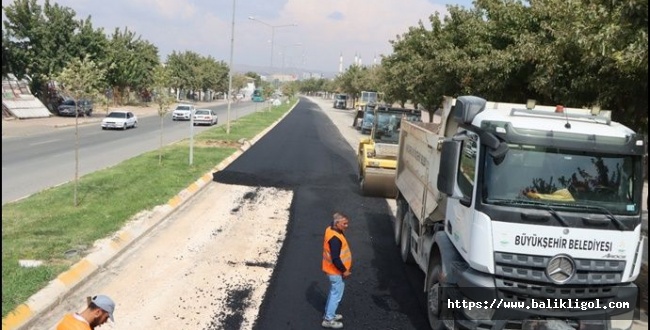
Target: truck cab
<point x="524" y="205"/>
<point x="340" y="101"/>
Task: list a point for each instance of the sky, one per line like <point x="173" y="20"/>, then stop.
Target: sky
<point x="310" y="35"/>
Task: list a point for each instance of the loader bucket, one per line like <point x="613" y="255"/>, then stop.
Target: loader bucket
<point x="379" y="182"/>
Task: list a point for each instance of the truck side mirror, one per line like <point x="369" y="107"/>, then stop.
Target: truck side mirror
<point x="499" y="154"/>
<point x="449" y="167"/>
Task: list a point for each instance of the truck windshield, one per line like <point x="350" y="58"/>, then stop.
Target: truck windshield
<point x="387" y="127"/>
<point x="563" y="178"/>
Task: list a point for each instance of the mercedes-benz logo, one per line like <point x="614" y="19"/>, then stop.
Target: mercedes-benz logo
<point x="560" y="269"/>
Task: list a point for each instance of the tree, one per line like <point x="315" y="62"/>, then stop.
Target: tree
<point x="38" y="40"/>
<point x="163" y="99"/>
<point x="133" y="62"/>
<point x="81" y="79"/>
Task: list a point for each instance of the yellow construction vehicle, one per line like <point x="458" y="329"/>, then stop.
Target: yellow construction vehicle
<point x="365" y="98"/>
<point x="366" y="101"/>
<point x="377" y="154"/>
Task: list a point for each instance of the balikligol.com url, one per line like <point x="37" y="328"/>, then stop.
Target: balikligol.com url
<point x="538" y="304"/>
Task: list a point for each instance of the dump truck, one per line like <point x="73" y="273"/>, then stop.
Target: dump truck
<point x="340" y="101"/>
<point x="522" y="216"/>
<point x="377" y="154"/>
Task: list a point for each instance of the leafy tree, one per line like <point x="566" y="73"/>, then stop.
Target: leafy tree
<point x="163" y="99"/>
<point x="258" y="79"/>
<point x="81" y="79"/>
<point x="133" y="61"/>
<point x="290" y="89"/>
<point x="37" y="40"/>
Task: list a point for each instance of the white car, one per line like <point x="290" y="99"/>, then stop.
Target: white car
<point x="120" y="119"/>
<point x="183" y="112"/>
<point x="205" y="116"/>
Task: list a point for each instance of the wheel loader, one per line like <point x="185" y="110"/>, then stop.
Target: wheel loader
<point x="377" y="154"/>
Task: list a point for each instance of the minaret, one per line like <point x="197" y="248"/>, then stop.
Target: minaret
<point x="356" y="59"/>
<point x="341" y="63"/>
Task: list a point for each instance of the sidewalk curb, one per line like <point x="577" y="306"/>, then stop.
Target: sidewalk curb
<point x="107" y="249"/>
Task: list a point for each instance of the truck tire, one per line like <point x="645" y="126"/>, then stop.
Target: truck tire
<point x="405" y="240"/>
<point x="436" y="307"/>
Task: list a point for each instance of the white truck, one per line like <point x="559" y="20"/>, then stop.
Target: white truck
<point x="522" y="216"/>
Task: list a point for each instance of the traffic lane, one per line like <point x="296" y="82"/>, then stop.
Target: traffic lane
<point x="31" y="164"/>
<point x="306" y="153"/>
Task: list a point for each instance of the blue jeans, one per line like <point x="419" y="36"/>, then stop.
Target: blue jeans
<point x="334" y="298"/>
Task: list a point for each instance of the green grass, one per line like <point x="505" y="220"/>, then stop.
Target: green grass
<point x="47" y="224"/>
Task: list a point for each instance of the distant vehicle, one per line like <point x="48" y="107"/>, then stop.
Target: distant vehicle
<point x="69" y="107"/>
<point x="340" y="101"/>
<point x="205" y="117"/>
<point x="183" y="112"/>
<point x="358" y="118"/>
<point x="367" y="98"/>
<point x="257" y="96"/>
<point x="120" y="119"/>
<point x="366" y="123"/>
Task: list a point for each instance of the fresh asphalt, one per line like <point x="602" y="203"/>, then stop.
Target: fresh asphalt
<point x="307" y="154"/>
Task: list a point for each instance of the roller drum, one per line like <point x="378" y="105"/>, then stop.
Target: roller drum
<point x="379" y="182"/>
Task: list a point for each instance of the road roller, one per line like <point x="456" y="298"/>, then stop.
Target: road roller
<point x="377" y="153"/>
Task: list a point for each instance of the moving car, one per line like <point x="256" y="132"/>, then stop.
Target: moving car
<point x="205" y="116"/>
<point x="183" y="112"/>
<point x="120" y="119"/>
<point x="68" y="107"/>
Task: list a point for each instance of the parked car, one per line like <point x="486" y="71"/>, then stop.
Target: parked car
<point x="183" y="112"/>
<point x="68" y="107"/>
<point x="120" y="119"/>
<point x="205" y="116"/>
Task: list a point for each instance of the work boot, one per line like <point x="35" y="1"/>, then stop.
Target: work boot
<point x="332" y="324"/>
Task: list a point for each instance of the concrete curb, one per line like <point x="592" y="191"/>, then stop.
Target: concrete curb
<point x="105" y="250"/>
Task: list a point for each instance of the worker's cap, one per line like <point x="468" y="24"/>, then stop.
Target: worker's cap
<point x="106" y="304"/>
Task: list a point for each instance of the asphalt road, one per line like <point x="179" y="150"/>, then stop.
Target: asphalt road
<point x="307" y="153"/>
<point x="33" y="163"/>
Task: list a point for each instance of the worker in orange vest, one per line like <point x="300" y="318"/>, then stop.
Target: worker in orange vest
<point x="337" y="262"/>
<point x="100" y="309"/>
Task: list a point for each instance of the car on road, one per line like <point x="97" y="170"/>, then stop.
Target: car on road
<point x="120" y="119"/>
<point x="205" y="117"/>
<point x="68" y="107"/>
<point x="183" y="112"/>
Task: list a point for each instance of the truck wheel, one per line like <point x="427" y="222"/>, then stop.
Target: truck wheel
<point x="405" y="241"/>
<point x="435" y="297"/>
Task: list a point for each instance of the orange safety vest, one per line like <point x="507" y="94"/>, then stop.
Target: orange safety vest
<point x="70" y="322"/>
<point x="346" y="254"/>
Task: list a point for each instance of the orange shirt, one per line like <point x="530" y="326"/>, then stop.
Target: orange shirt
<point x="73" y="322"/>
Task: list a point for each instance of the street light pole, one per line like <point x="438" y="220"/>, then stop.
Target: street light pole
<point x="273" y="27"/>
<point x="232" y="46"/>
